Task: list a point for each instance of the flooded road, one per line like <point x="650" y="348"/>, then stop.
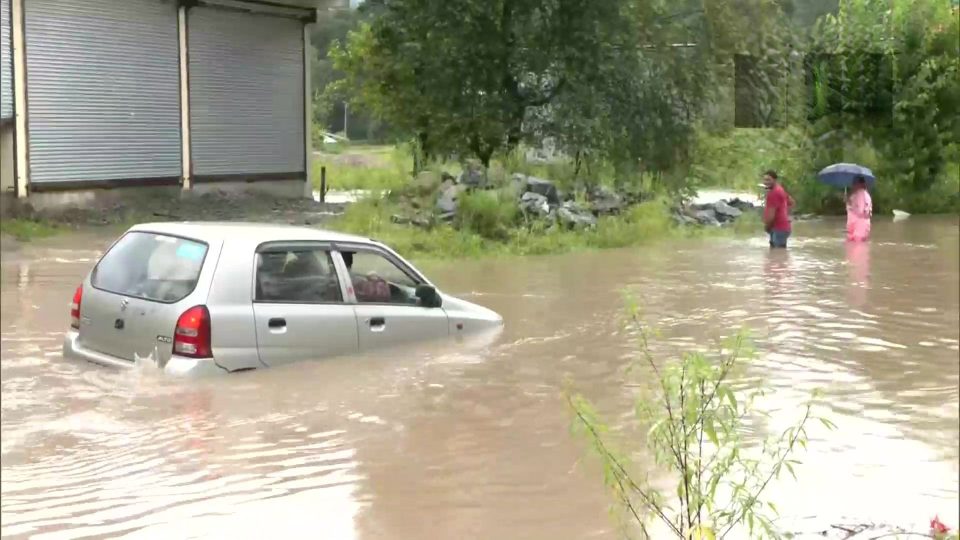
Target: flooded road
<point x="446" y="442"/>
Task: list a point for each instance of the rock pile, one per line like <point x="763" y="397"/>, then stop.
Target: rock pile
<point x="714" y="214"/>
<point x="541" y="199"/>
<point x="536" y="198"/>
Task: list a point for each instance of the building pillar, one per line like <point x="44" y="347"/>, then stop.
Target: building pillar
<point x="20" y="136"/>
<point x="185" y="156"/>
<point x="307" y="112"/>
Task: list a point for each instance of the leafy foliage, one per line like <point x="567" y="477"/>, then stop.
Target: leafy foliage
<point x="890" y="92"/>
<point x="329" y="99"/>
<point x="460" y="74"/>
<point x="694" y="421"/>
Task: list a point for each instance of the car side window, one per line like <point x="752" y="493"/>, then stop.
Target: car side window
<point x="377" y="280"/>
<point x="297" y="275"/>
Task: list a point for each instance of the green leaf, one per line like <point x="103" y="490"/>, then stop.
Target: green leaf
<point x="656" y="425"/>
<point x="790" y="468"/>
<point x="710" y="431"/>
<point x="732" y="398"/>
<point x="828" y="424"/>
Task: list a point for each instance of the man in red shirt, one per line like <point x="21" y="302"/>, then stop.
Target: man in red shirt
<point x="776" y="211"/>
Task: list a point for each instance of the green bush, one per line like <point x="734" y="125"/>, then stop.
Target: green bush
<point x="487" y="213"/>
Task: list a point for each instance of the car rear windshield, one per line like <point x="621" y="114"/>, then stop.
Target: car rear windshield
<point x="151" y="266"/>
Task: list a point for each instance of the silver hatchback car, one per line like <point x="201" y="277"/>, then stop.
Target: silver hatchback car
<point x="205" y="298"/>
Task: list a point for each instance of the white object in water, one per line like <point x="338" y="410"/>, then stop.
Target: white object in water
<point x="900" y="214"/>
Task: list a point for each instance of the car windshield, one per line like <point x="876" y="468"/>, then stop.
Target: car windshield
<point x="151" y="266"/>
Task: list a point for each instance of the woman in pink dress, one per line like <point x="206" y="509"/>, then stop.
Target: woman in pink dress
<point x="859" y="210"/>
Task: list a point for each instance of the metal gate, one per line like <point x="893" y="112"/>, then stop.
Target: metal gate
<point x="246" y="95"/>
<point x="103" y="91"/>
<point x="6" y="61"/>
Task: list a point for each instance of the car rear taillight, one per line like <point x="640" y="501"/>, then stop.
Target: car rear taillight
<point x="192" y="336"/>
<point x="75" y="308"/>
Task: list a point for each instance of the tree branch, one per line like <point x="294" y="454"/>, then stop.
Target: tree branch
<point x="645" y="348"/>
<point x="601" y="447"/>
<point x="700" y="468"/>
<point x="727" y="367"/>
<point x="685" y="452"/>
<point x="773" y="472"/>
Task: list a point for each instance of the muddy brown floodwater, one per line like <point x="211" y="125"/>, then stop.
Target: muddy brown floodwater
<point x="450" y="442"/>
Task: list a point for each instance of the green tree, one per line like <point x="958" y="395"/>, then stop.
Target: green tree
<point x="329" y="101"/>
<point x="886" y="87"/>
<point x="462" y="74"/>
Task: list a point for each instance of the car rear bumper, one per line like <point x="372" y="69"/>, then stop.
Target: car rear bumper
<point x="177" y="365"/>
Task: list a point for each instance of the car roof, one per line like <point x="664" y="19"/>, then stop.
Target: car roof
<point x="257" y="232"/>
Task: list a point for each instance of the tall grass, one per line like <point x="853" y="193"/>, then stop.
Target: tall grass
<point x="489" y="214"/>
<point x="375" y="168"/>
<point x="490" y="226"/>
<point x="25" y="230"/>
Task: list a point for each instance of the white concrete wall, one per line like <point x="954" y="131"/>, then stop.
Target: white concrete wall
<point x="7" y="171"/>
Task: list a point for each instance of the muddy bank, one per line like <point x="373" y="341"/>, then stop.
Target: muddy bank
<point x="217" y="206"/>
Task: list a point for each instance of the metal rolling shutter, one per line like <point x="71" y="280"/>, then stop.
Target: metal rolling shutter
<point x="246" y="94"/>
<point x="6" y="61"/>
<point x="103" y="90"/>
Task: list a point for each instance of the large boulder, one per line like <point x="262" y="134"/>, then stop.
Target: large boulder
<point x="474" y="176"/>
<point x="574" y="216"/>
<point x="604" y="201"/>
<point x="683" y="219"/>
<point x="538" y="186"/>
<point x="448" y="200"/>
<point x="725" y="212"/>
<point x="741" y="204"/>
<point x="534" y="204"/>
<point x="707" y="217"/>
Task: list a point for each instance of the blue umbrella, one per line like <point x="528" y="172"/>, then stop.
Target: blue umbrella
<point x="842" y="175"/>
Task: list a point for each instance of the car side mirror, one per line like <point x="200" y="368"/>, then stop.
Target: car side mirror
<point x="428" y="296"/>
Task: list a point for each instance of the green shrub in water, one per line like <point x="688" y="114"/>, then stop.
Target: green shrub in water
<point x="694" y="421"/>
<point x="490" y="214"/>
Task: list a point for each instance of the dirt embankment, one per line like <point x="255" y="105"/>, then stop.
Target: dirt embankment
<point x="207" y="207"/>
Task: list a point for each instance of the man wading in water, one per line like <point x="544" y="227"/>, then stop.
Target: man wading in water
<point x="776" y="211"/>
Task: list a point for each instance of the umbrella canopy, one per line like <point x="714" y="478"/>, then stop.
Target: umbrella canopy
<point x="842" y="175"/>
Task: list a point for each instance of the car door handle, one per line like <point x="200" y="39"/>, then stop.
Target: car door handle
<point x="277" y="323"/>
<point x="377" y="324"/>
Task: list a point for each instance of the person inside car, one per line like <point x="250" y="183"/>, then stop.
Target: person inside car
<point x="369" y="288"/>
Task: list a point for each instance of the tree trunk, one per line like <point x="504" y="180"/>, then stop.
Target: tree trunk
<point x="485" y="156"/>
